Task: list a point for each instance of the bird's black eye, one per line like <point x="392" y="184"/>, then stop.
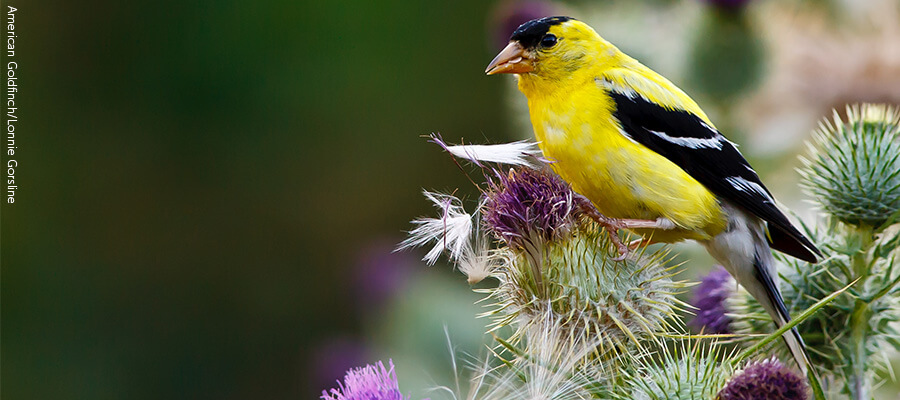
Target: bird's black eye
<point x="548" y="41"/>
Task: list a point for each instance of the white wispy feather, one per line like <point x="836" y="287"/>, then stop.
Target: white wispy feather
<point x="452" y="232"/>
<point x="456" y="232"/>
<point x="522" y="153"/>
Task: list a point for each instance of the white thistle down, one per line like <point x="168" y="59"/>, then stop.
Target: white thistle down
<point x="554" y="365"/>
<point x="478" y="261"/>
<point x="522" y="153"/>
<point x="452" y="232"/>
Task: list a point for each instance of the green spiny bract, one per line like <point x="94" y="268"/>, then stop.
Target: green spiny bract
<point x="684" y="371"/>
<point x="853" y="170"/>
<point x="621" y="304"/>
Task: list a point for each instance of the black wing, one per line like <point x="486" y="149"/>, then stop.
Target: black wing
<point x="702" y="152"/>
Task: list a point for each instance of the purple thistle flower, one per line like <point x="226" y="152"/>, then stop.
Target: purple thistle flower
<point x="765" y="380"/>
<point x="373" y="382"/>
<point x="709" y="298"/>
<point x="527" y="205"/>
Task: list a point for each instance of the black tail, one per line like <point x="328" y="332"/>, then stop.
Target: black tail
<point x="781" y="317"/>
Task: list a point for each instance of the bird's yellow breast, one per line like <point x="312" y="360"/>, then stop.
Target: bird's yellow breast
<point x="623" y="179"/>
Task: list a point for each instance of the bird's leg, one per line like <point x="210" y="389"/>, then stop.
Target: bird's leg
<point x="612" y="226"/>
<point x="659" y="223"/>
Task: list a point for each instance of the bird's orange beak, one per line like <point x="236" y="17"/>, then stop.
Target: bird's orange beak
<point x="512" y="60"/>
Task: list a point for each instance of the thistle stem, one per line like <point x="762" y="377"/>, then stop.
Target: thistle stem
<point x="860" y="260"/>
<point x="858" y="384"/>
<point x="860" y="388"/>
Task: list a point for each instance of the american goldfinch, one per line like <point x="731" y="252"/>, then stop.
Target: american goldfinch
<point x="645" y="154"/>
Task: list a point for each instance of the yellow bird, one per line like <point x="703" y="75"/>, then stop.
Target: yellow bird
<point x="644" y="153"/>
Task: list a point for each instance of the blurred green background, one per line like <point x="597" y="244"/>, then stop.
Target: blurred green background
<point x="209" y="192"/>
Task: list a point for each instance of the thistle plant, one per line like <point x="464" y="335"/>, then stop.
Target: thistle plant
<point x="572" y="319"/>
<point x="853" y="175"/>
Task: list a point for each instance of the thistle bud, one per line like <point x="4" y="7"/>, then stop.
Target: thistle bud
<point x="767" y="379"/>
<point x="853" y="170"/>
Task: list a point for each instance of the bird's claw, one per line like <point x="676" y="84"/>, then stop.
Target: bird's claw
<point x="623" y="254"/>
<point x="612" y="226"/>
<point x="622" y="248"/>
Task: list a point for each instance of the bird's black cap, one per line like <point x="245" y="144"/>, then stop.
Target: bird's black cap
<point x="530" y="33"/>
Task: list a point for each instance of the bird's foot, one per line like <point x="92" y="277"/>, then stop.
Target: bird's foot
<point x="616" y="224"/>
<point x="611" y="225"/>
